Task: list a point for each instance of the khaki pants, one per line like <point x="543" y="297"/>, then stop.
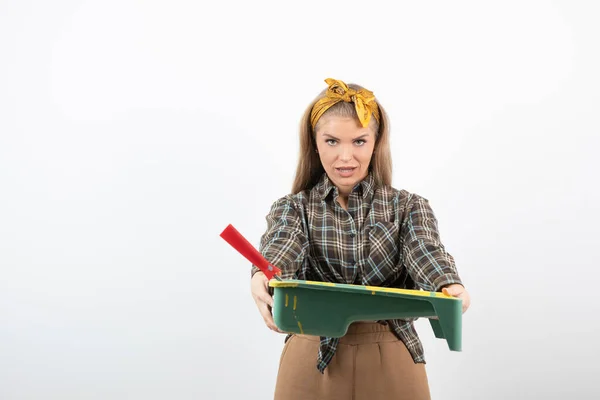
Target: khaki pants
<point x="371" y="363"/>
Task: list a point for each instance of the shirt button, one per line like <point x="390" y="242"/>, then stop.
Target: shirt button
<point x="352" y="234"/>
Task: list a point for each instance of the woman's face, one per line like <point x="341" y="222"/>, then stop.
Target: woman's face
<point x="345" y="149"/>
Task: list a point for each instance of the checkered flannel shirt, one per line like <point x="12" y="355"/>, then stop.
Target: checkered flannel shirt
<point x="386" y="237"/>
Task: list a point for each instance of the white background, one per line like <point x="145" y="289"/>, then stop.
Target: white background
<point x="133" y="132"/>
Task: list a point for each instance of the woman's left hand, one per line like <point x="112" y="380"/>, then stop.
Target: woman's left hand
<point x="457" y="290"/>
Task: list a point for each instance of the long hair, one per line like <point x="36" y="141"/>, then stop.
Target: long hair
<point x="310" y="169"/>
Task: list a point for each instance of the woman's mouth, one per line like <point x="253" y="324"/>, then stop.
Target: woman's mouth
<point x="345" y="172"/>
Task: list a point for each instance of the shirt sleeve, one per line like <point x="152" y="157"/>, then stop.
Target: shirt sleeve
<point x="426" y="259"/>
<point x="284" y="244"/>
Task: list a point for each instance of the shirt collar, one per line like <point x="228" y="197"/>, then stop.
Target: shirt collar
<point x="366" y="187"/>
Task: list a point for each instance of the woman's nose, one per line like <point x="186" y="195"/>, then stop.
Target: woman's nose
<point x="346" y="153"/>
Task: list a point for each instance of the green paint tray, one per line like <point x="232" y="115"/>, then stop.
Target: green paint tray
<point x="328" y="309"/>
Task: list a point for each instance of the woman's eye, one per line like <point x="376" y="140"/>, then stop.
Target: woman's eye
<point x="330" y="142"/>
<point x="360" y="142"/>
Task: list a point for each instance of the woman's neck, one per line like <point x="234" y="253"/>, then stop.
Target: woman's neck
<point x="343" y="201"/>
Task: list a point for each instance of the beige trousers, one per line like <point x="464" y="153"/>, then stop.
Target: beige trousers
<point x="371" y="363"/>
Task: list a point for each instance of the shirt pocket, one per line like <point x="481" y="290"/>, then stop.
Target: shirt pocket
<point x="383" y="253"/>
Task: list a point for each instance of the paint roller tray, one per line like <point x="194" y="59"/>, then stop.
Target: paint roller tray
<point x="327" y="309"/>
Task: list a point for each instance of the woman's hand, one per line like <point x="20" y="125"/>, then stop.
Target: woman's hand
<point x="259" y="286"/>
<point x="457" y="290"/>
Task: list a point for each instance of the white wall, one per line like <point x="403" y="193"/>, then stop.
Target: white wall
<point x="133" y="132"/>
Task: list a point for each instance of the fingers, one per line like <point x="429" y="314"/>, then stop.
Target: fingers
<point x="460" y="292"/>
<point x="261" y="294"/>
<point x="265" y="312"/>
<point x="265" y="298"/>
<point x="453" y="290"/>
<point x="266" y="284"/>
<point x="260" y="289"/>
<point x="466" y="301"/>
<point x="264" y="301"/>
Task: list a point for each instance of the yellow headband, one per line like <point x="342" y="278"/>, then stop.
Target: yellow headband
<point x="363" y="100"/>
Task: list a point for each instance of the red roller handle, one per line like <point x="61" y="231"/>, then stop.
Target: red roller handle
<point x="245" y="248"/>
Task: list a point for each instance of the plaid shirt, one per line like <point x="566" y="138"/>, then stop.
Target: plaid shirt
<point x="386" y="237"/>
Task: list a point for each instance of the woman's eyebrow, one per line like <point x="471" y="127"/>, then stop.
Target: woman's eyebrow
<point x="357" y="138"/>
<point x="330" y="136"/>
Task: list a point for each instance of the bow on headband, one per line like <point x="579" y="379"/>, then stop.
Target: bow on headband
<point x="363" y="99"/>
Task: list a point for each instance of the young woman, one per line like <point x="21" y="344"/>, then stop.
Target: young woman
<point x="345" y="223"/>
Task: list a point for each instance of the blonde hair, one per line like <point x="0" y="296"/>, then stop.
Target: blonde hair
<point x="310" y="169"/>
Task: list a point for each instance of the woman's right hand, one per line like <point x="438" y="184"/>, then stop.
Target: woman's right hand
<point x="260" y="292"/>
